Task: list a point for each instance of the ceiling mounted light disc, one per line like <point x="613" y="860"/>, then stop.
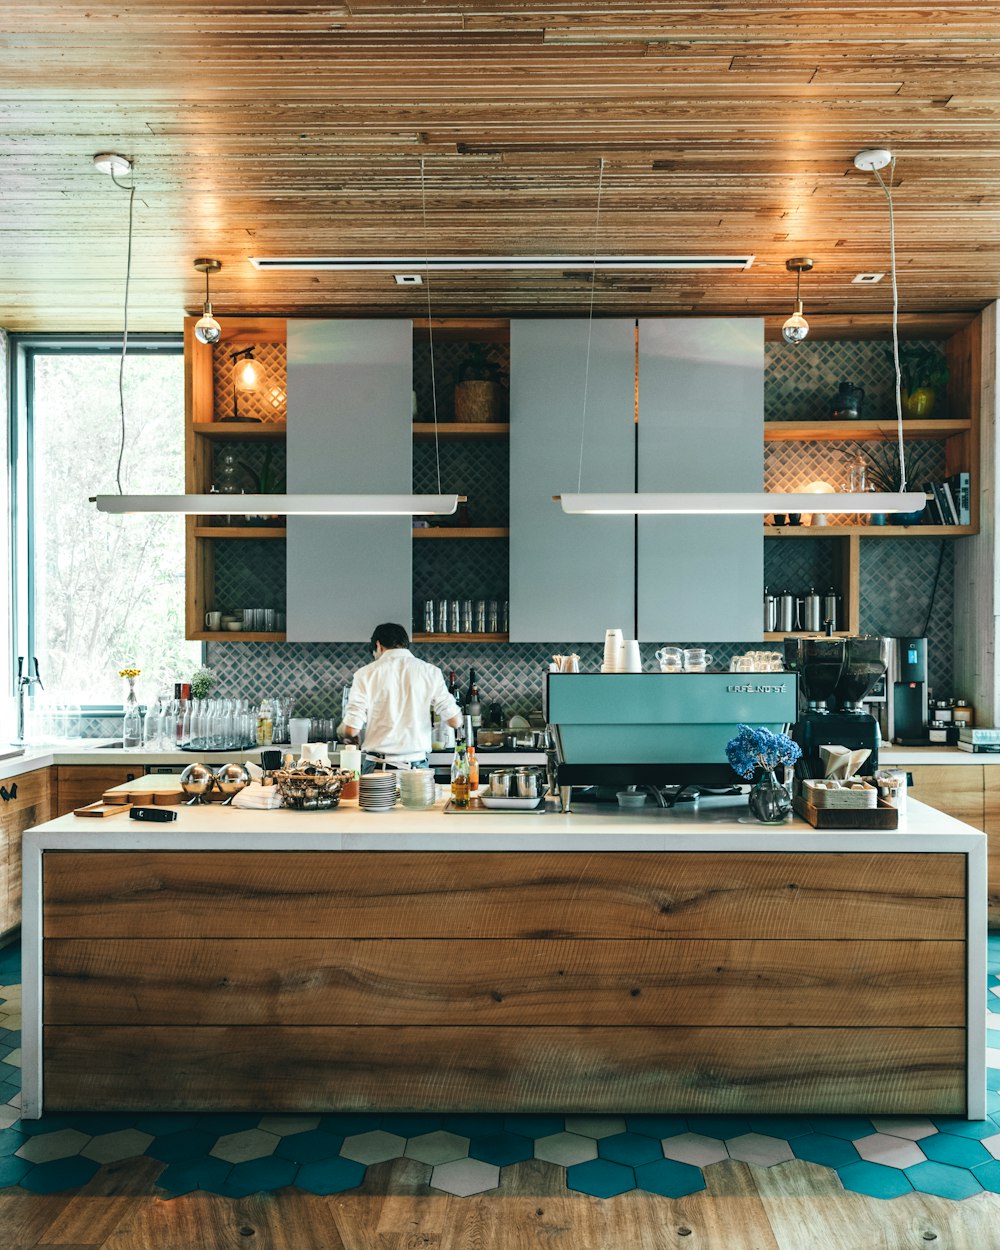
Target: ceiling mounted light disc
<point x="873" y="158"/>
<point x="112" y="163"/>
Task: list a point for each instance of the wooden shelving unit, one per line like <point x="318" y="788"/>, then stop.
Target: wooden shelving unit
<point x="240" y="430"/>
<point x="239" y="531"/>
<point x="862" y="431"/>
<point x="460" y="532"/>
<point x="235" y="635"/>
<point x="868" y="531"/>
<point x="423" y="431"/>
<point x="460" y="637"/>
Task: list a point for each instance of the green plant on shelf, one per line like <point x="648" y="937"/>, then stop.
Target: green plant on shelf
<point x="923" y="375"/>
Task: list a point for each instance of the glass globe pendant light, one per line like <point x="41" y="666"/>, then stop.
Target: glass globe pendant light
<point x="207" y="330"/>
<point x="796" y="327"/>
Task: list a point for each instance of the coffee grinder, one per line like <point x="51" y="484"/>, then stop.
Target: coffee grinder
<point x="835" y="674"/>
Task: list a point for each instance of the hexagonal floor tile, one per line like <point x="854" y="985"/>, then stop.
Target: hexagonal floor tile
<point x="172" y="1122"/>
<point x="831" y="1152"/>
<point x="849" y="1127"/>
<point x="176" y="1147"/>
<point x="992" y="1144"/>
<point x="892" y="1152"/>
<point x="630" y="1149"/>
<point x="347" y="1123"/>
<point x="694" y="1148"/>
<point x="330" y="1176"/>
<point x="943" y="1180"/>
<point x="600" y="1177"/>
<point x="501" y="1149"/>
<point x="12" y="1169"/>
<point x="874" y="1180"/>
<point x="913" y="1127"/>
<point x="465" y="1177"/>
<point x="967" y="1128"/>
<point x="191" y="1174"/>
<point x="987" y="1174"/>
<point x="669" y="1178"/>
<point x="533" y="1126"/>
<point x="59" y="1174"/>
<point x="127" y="1143"/>
<point x="596" y="1126"/>
<point x="720" y="1126"/>
<point x="658" y="1126"/>
<point x="439" y="1147"/>
<point x="565" y="1148"/>
<point x="410" y="1124"/>
<point x="258" y="1176"/>
<point x="468" y="1124"/>
<point x="375" y="1146"/>
<point x="786" y="1126"/>
<point x="251" y="1143"/>
<point x="309" y="1147"/>
<point x="963" y="1152"/>
<point x="60" y="1145"/>
<point x="285" y="1125"/>
<point x="759" y="1148"/>
<point x="10" y="1140"/>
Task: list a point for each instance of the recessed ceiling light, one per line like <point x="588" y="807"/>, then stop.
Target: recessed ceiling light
<point x="408" y="279"/>
<point x="444" y="264"/>
<point x="866" y="279"/>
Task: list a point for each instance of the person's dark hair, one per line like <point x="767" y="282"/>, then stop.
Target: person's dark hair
<point x="390" y="636"/>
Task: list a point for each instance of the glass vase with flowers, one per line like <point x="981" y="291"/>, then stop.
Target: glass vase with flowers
<point x="760" y="750"/>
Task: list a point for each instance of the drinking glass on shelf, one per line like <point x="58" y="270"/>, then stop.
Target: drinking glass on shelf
<point x="466" y="616"/>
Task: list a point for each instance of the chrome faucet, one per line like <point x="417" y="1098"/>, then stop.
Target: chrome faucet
<point x="24" y="684"/>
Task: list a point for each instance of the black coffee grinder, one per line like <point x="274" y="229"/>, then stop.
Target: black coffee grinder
<point x="835" y="674"/>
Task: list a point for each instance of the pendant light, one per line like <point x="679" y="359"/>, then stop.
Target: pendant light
<point x="207" y="329"/>
<point x="723" y="503"/>
<point x="796" y="327"/>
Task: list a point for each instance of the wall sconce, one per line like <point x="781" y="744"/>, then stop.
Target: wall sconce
<point x="796" y="327"/>
<point x="248" y="379"/>
<point x="207" y="329"/>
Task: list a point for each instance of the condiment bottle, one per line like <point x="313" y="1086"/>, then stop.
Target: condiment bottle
<point x="350" y="762"/>
<point x="460" y="777"/>
<point x="265" y="724"/>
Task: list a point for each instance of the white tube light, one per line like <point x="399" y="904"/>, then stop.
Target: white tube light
<point x="461" y="264"/>
<point x="281" y="505"/>
<point x="737" y="503"/>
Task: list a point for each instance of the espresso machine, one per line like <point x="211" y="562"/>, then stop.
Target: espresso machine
<point x="835" y="675"/>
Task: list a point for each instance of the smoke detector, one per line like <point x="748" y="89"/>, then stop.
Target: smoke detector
<point x="112" y="163"/>
<point x="408" y="279"/>
<point x="867" y="279"/>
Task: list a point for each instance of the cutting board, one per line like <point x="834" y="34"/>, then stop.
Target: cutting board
<point x="155" y="791"/>
<point x="102" y="809"/>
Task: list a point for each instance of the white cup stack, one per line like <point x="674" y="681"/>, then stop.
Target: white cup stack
<point x="631" y="657"/>
<point x="612" y="651"/>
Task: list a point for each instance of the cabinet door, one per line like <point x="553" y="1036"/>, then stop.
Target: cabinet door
<point x="571" y="577"/>
<point x="349" y="431"/>
<point x="31" y="806"/>
<point x="701" y="428"/>
<point x="80" y="784"/>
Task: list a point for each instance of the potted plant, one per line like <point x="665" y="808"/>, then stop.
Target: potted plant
<point x="882" y="474"/>
<point x="923" y="373"/>
<point x="477" y="386"/>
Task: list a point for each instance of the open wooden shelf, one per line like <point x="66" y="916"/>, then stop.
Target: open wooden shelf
<point x="235" y="635"/>
<point x="240" y="429"/>
<point x="239" y="531"/>
<point x="458" y="532"/>
<point x="461" y="637"/>
<point x="802" y="633"/>
<point x="868" y="531"/>
<point x="828" y="431"/>
<point x="423" y="431"/>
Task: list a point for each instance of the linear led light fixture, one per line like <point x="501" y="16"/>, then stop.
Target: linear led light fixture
<point x="736" y="503"/>
<point x="282" y="505"/>
<point x="460" y="264"/>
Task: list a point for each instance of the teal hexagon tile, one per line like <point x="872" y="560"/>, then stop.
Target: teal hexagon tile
<point x="96" y="1122"/>
<point x="8" y="1116"/>
<point x="375" y="1146"/>
<point x="992" y="1144"/>
<point x="225" y="1122"/>
<point x="9" y="1071"/>
<point x="258" y="1176"/>
<point x="600" y="1177"/>
<point x="963" y="1152"/>
<point x="191" y="1174"/>
<point x="534" y="1125"/>
<point x="470" y="1125"/>
<point x="629" y="1148"/>
<point x="50" y="1178"/>
<point x="11" y="1139"/>
<point x="437" y="1147"/>
<point x="658" y="1126"/>
<point x="47" y="1124"/>
<point x="911" y="1126"/>
<point x="309" y="1147"/>
<point x="13" y="1057"/>
<point x="875" y="1180"/>
<point x="943" y="1180"/>
<point x="251" y="1143"/>
<point x="565" y="1148"/>
<point x="987" y="1174"/>
<point x="694" y="1148"/>
<point x="176" y="1147"/>
<point x="169" y="1122"/>
<point x="126" y="1143"/>
<point x="346" y="1123"/>
<point x="832" y="1152"/>
<point x="786" y="1126"/>
<point x="669" y="1178"/>
<point x="721" y="1126"/>
<point x="285" y="1125"/>
<point x="411" y="1124"/>
<point x="595" y="1126"/>
<point x="966" y="1128"/>
<point x="59" y="1145"/>
<point x="12" y="1169"/>
<point x="501" y="1148"/>
<point x="759" y="1148"/>
<point x="465" y="1177"/>
<point x="330" y="1176"/>
<point x="849" y="1127"/>
<point x="893" y="1152"/>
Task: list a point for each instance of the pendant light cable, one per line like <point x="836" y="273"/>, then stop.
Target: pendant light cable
<point x="121" y="364"/>
<point x="887" y="188"/>
<point x="430" y="323"/>
<point x="590" y="325"/>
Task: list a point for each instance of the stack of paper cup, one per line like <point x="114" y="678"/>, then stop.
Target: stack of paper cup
<point x="630" y="660"/>
<point x="612" y="650"/>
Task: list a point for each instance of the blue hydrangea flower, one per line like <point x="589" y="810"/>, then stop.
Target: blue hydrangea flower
<point x="760" y="748"/>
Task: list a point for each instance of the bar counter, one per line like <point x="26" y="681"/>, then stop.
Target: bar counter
<point x="680" y="960"/>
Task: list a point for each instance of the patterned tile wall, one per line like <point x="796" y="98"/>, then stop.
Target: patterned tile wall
<point x="249" y="574"/>
<point x="448" y="359"/>
<point x="268" y="402"/>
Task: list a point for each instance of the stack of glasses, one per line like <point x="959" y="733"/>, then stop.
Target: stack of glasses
<point x="416" y="787"/>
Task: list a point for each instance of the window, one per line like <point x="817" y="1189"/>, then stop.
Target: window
<point x="96" y="592"/>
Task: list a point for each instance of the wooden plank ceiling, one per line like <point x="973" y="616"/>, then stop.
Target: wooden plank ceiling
<point x="299" y="128"/>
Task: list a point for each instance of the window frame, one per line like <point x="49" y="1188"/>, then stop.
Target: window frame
<point x="23" y="350"/>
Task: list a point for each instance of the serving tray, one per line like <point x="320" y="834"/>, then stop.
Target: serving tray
<point x="509" y="805"/>
<point x="884" y="816"/>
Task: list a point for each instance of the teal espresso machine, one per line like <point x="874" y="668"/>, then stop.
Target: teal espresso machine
<point x="659" y="730"/>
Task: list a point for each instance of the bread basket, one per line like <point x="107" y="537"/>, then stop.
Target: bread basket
<point x="313" y="788"/>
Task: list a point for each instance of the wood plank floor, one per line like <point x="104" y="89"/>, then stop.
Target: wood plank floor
<point x="795" y="1206"/>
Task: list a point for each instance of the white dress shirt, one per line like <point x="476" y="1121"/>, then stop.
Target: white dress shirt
<point x="393" y="698"/>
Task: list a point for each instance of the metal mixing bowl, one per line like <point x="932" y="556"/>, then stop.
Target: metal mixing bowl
<point x="231" y="779"/>
<point x="197" y="780"/>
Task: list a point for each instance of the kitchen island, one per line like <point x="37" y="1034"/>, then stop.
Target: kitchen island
<point x="685" y="960"/>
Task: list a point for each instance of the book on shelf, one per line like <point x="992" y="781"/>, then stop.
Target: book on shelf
<point x="961" y="489"/>
<point x="946" y="504"/>
<point x="932" y="508"/>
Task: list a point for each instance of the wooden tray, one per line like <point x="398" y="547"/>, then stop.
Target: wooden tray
<point x="102" y="809"/>
<point x="884" y="816"/>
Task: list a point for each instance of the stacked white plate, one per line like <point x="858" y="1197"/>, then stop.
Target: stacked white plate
<point x="416" y="787"/>
<point x="377" y="792"/>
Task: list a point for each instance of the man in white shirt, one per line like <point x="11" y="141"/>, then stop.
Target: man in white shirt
<point x="393" y="697"/>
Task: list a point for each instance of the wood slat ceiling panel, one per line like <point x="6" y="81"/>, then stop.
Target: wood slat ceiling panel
<point x="290" y="128"/>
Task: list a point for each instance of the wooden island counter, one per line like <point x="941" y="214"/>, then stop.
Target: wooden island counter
<point x="651" y="961"/>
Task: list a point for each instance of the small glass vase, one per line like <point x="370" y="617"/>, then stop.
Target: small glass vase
<point x="132" y="723"/>
<point x="769" y="801"/>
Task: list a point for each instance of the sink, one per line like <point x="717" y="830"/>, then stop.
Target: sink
<point x="11" y="753"/>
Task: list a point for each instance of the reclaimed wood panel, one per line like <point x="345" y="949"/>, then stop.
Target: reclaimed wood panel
<point x="541" y="1069"/>
<point x="79" y="784"/>
<point x="991" y="823"/>
<point x="530" y="895"/>
<point x="506" y="982"/>
<point x="956" y="789"/>
<point x="32" y="806"/>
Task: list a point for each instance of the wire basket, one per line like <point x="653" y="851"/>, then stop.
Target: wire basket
<point x="311" y="789"/>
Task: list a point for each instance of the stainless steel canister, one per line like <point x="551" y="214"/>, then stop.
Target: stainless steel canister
<point x="786" y="613"/>
<point x="501" y="783"/>
<point x="831" y="609"/>
<point x="530" y="784"/>
<point x="770" y="612"/>
<point x="812" y="612"/>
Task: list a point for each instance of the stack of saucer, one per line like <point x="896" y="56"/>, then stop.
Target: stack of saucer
<point x="377" y="792"/>
<point x="416" y="787"/>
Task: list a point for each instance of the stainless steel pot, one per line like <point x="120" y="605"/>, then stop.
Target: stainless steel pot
<point x="530" y="783"/>
<point x="501" y="783"/>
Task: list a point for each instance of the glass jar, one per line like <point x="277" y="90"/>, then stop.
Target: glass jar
<point x="769" y="801"/>
<point x="132" y="721"/>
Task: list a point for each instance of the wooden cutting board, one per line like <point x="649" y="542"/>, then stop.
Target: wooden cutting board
<point x="102" y="809"/>
<point x="155" y="791"/>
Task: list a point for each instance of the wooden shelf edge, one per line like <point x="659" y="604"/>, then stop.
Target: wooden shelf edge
<point x="234" y="635"/>
<point x="870" y="531"/>
<point x="239" y="531"/>
<point x="240" y="429"/>
<point x="473" y="532"/>
<point x="424" y="430"/>
<point x="460" y="637"/>
<point x="861" y="430"/>
<point x="800" y="633"/>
